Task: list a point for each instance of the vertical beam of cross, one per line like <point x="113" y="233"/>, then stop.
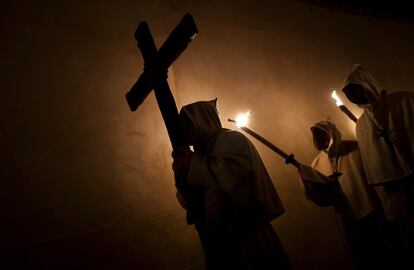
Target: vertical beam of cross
<point x="154" y="77"/>
<point x="156" y="64"/>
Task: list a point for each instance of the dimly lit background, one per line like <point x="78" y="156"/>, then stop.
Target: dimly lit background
<point x="86" y="183"/>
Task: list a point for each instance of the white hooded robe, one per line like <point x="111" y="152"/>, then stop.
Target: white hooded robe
<point x="390" y="157"/>
<point x="385" y="133"/>
<point x="354" y="201"/>
<point x="341" y="157"/>
<point x="239" y="197"/>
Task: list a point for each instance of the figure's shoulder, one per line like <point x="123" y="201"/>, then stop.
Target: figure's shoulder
<point x="400" y="96"/>
<point x="228" y="134"/>
<point x="320" y="156"/>
<point x="231" y="139"/>
<point x="399" y="103"/>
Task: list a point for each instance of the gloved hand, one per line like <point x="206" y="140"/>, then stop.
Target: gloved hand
<point x="182" y="160"/>
<point x="181" y="165"/>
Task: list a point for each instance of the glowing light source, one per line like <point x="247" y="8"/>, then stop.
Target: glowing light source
<point x="342" y="107"/>
<point x="242" y="119"/>
<point x="336" y="98"/>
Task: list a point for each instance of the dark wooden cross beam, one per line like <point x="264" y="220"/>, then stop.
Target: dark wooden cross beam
<point x="156" y="64"/>
<point x="154" y="77"/>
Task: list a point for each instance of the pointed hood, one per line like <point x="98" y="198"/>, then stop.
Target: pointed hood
<point x="201" y="122"/>
<point x="362" y="77"/>
<point x="333" y="132"/>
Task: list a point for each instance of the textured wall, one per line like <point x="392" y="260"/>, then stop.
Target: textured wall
<point x="85" y="182"/>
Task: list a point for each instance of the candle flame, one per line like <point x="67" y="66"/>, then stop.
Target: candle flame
<point x="336" y="98"/>
<point x="242" y="119"/>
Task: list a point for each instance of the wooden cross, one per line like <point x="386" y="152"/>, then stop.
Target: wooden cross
<point x="156" y="64"/>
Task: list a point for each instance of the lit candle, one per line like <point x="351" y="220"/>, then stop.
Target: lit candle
<point x="342" y="107"/>
<point x="242" y="120"/>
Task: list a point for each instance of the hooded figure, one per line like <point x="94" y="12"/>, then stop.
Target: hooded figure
<point x="237" y="194"/>
<point x="385" y="133"/>
<point x="343" y="185"/>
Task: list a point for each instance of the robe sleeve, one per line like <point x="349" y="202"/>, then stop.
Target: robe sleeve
<point x="219" y="171"/>
<point x="227" y="169"/>
<point x="318" y="188"/>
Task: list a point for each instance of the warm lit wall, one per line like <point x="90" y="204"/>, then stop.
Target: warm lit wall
<point x="86" y="182"/>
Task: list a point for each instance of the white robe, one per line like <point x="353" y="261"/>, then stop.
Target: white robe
<point x="391" y="157"/>
<point x="238" y="194"/>
<point x="342" y="157"/>
<point x="387" y="161"/>
<point x="352" y="182"/>
<point x="385" y="133"/>
<point x="384" y="159"/>
<point x="355" y="202"/>
<point x="234" y="167"/>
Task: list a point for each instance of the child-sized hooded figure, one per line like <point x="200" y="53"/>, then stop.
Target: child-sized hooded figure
<point x="238" y="199"/>
<point x="385" y="134"/>
<point x="357" y="209"/>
